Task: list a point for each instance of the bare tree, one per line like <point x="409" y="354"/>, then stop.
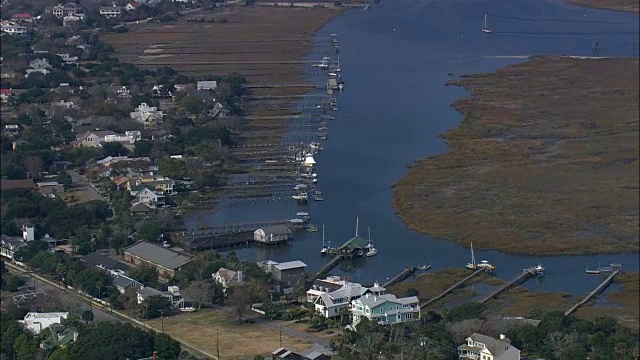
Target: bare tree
<point x="33" y="164"/>
<point x="462" y="329"/>
<point x="199" y="291"/>
<point x="239" y="299"/>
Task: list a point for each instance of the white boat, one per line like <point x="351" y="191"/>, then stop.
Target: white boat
<point x="312" y="229"/>
<point x="371" y="250"/>
<point x="301" y="197"/>
<point x="484" y="264"/>
<point x="341" y="86"/>
<point x="188" y="309"/>
<point x="472" y="264"/>
<point x="539" y="269"/>
<point x="485" y="27"/>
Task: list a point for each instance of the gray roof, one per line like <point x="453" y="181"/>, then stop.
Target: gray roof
<point x="99" y="260"/>
<point x="149" y="291"/>
<point x="158" y="255"/>
<point x="13" y="243"/>
<point x="290" y="265"/>
<point x="373" y="301"/>
<point x="276" y="230"/>
<point x="123" y="281"/>
<point x="495" y="346"/>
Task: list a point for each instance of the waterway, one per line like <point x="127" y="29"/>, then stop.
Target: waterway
<point x="395" y="59"/>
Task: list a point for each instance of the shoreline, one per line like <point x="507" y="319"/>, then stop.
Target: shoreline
<point x="480" y="188"/>
<point x="629" y="6"/>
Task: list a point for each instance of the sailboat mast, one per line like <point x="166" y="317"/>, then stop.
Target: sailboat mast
<point x="368" y="228"/>
<point x="322" y="235"/>
<point x="473" y="257"/>
<point x="357" y="226"/>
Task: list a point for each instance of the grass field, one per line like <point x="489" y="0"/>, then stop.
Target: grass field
<point x="544" y="162"/>
<point x="632" y="6"/>
<point x="237" y="341"/>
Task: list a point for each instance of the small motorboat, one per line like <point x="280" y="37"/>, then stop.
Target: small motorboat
<point x="312" y="229"/>
<point x="371" y="252"/>
<point x="539" y="269"/>
<point x="318" y="198"/>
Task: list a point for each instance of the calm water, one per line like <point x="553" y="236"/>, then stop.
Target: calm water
<point x="395" y="58"/>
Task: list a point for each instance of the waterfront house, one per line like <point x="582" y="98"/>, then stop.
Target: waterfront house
<point x="150" y="198"/>
<point x="9" y="245"/>
<point x="227" y="278"/>
<point x="353" y="247"/>
<point x="288" y="274"/>
<point x="324" y="286"/>
<point x="385" y="309"/>
<point x="483" y="347"/>
<point x="110" y="11"/>
<point x="36" y="322"/>
<point x="272" y="234"/>
<point x="166" y="262"/>
<point x="336" y="303"/>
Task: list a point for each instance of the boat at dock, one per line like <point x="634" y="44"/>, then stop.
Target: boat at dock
<point x="484" y="264"/>
<point x="371" y="250"/>
<point x="539" y="269"/>
<point x="485" y="27"/>
<point x="312" y="228"/>
<point x="301" y="197"/>
<point x="325" y="248"/>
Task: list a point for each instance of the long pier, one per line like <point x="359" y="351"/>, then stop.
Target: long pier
<point x="325" y="269"/>
<point x="524" y="276"/>
<point x="408" y="271"/>
<point x="595" y="292"/>
<point x="450" y="289"/>
<point x="234" y="228"/>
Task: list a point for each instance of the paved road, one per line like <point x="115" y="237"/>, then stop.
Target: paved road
<point x="80" y="183"/>
<point x="98" y="314"/>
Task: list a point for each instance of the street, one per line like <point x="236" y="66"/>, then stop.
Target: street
<point x="80" y="183"/>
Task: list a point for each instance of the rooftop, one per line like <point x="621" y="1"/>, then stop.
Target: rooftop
<point x="105" y="262"/>
<point x="35" y="315"/>
<point x="158" y="255"/>
<point x="290" y="265"/>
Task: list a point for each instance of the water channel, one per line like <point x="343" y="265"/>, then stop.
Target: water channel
<point x="395" y="59"/>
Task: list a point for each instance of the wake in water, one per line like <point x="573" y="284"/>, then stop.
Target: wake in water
<point x="552" y="20"/>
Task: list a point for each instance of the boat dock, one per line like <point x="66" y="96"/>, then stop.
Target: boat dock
<point x="524" y="276"/>
<point x="325" y="269"/>
<point x="595" y="292"/>
<point x="408" y="271"/>
<point x="221" y="241"/>
<point x="451" y="288"/>
<point x="234" y="228"/>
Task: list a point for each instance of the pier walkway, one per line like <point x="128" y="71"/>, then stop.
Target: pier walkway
<point x="408" y="271"/>
<point x="524" y="276"/>
<point x="450" y="289"/>
<point x="225" y="229"/>
<point x="325" y="269"/>
<point x="595" y="292"/>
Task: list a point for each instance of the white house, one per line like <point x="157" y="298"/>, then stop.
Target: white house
<point x="36" y="322"/>
<point x="124" y="283"/>
<point x="64" y="104"/>
<point x="272" y="234"/>
<point x="207" y="85"/>
<point x="129" y="137"/>
<point x="9" y="245"/>
<point x="110" y="11"/>
<point x="483" y="347"/>
<point x="146" y="114"/>
<point x="150" y="198"/>
<point x="172" y="293"/>
<point x="227" y="278"/>
<point x="68" y="59"/>
<point x="69" y="20"/>
<point x="385" y="309"/>
<point x="12" y="28"/>
<point x="92" y="138"/>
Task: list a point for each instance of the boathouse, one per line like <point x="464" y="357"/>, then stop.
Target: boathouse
<point x="353" y="247"/>
<point x="272" y="234"/>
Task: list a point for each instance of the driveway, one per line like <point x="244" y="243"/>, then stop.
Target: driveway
<point x="80" y="183"/>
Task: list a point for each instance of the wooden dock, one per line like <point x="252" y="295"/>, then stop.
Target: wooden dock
<point x="595" y="292"/>
<point x="408" y="271"/>
<point x="524" y="276"/>
<point x="325" y="269"/>
<point x="450" y="289"/>
<point x="226" y="229"/>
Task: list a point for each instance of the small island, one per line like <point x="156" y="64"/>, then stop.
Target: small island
<point x="544" y="162"/>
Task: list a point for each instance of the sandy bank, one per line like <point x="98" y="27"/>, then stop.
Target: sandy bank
<point x="632" y="6"/>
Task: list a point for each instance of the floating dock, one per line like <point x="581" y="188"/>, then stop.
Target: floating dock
<point x="450" y="289"/>
<point x="595" y="292"/>
<point x="524" y="276"/>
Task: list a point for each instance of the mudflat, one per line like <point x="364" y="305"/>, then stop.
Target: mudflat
<point x="631" y="6"/>
<point x="544" y="162"/>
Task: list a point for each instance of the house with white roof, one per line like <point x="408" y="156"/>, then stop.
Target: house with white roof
<point x="110" y="11"/>
<point x="36" y="322"/>
<point x="207" y="85"/>
<point x="12" y="28"/>
<point x="483" y="347"/>
<point x="385" y="309"/>
<point x="147" y="115"/>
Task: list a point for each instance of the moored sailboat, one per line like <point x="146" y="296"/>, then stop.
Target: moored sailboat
<point x="485" y="27"/>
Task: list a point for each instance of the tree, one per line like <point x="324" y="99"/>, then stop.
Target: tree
<point x="239" y="299"/>
<point x="154" y="306"/>
<point x="61" y="353"/>
<point x="65" y="179"/>
<point x="142" y="148"/>
<point x="146" y="274"/>
<point x="33" y="165"/>
<point x="14" y="283"/>
<point x="200" y="291"/>
<point x="166" y="347"/>
<point x="82" y="241"/>
<point x="108" y="341"/>
<point x="87" y="316"/>
<point x="149" y="232"/>
<point x="113" y="148"/>
<point x="25" y="253"/>
<point x="25" y="347"/>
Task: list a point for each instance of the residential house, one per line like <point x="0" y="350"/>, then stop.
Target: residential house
<point x="9" y="245"/>
<point x="129" y="137"/>
<point x="385" y="309"/>
<point x="49" y="187"/>
<point x="160" y="183"/>
<point x="131" y="5"/>
<point x="61" y="11"/>
<point x="92" y="138"/>
<point x="140" y="210"/>
<point x="272" y="234"/>
<point x="148" y="197"/>
<point x="36" y="322"/>
<point x="110" y="11"/>
<point x="336" y="303"/>
<point x="68" y="59"/>
<point x="60" y="336"/>
<point x="172" y="293"/>
<point x="207" y="85"/>
<point x="5" y="95"/>
<point x="165" y="261"/>
<point x="106" y="263"/>
<point x="483" y="347"/>
<point x="71" y="20"/>
<point x="12" y="28"/>
<point x="41" y="66"/>
<point x="228" y="278"/>
<point x="324" y="286"/>
<point x="17" y="184"/>
<point x="290" y="273"/>
<point x="282" y="353"/>
<point x="219" y="112"/>
<point x="124" y="283"/>
<point x="64" y="104"/>
<point x="11" y="129"/>
<point x="23" y="17"/>
<point x="147" y="115"/>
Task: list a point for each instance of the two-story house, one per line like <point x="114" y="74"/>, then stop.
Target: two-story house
<point x="110" y="11"/>
<point x="147" y="115"/>
<point x="61" y="11"/>
<point x="385" y="309"/>
<point x="172" y="293"/>
<point x="228" y="278"/>
<point x="12" y="28"/>
<point x="337" y="303"/>
<point x="148" y="197"/>
<point x="483" y="347"/>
